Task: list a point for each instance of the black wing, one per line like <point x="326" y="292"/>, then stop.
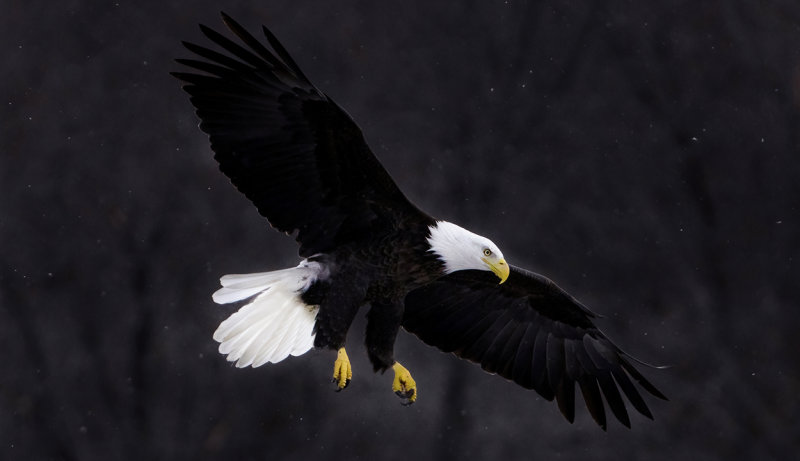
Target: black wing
<point x="532" y="332"/>
<point x="283" y="143"/>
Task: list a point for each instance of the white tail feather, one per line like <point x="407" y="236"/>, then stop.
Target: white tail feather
<point x="236" y="287"/>
<point x="274" y="325"/>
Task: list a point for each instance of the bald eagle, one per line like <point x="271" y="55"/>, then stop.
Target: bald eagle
<point x="303" y="162"/>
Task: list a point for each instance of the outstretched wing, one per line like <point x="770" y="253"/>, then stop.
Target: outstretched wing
<point x="532" y="332"/>
<point x="283" y="143"/>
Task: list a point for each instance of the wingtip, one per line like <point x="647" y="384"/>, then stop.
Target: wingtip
<point x="646" y="364"/>
<point x="183" y="76"/>
<point x="569" y="418"/>
<point x="639" y="378"/>
<point x="267" y="33"/>
<point x="226" y="18"/>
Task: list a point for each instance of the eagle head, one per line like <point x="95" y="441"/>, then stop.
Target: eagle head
<point x="460" y="249"/>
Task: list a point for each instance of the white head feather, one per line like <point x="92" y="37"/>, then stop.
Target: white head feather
<point x="460" y="249"/>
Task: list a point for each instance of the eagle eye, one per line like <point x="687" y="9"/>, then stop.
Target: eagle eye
<point x="487" y="252"/>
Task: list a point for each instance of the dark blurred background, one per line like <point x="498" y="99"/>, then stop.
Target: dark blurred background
<point x="643" y="156"/>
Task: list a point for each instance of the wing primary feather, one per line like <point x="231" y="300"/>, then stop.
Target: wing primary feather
<point x="607" y="385"/>
<point x="509" y="351"/>
<point x="555" y="360"/>
<point x="216" y="56"/>
<point x="565" y="390"/>
<point x="252" y="42"/>
<point x="283" y="54"/>
<point x="521" y="371"/>
<point x="631" y="392"/>
<point x="204" y="66"/>
<point x="565" y="397"/>
<point x="614" y="399"/>
<point x="231" y="46"/>
<point x="192" y="79"/>
<point x="539" y="374"/>
<point x="571" y="362"/>
<point x="641" y="379"/>
<point x="491" y="357"/>
<point x="593" y="399"/>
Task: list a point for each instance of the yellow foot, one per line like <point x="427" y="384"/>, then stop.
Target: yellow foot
<point x="404" y="385"/>
<point x="342" y="371"/>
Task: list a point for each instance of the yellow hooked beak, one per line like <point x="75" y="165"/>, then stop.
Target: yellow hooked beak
<point x="500" y="268"/>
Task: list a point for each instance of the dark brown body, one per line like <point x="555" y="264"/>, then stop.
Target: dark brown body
<point x="379" y="271"/>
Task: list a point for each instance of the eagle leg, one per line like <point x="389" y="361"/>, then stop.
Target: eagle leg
<point x="404" y="385"/>
<point x="342" y="370"/>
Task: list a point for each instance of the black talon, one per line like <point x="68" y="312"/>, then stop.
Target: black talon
<point x="406" y="397"/>
<point x="340" y="389"/>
